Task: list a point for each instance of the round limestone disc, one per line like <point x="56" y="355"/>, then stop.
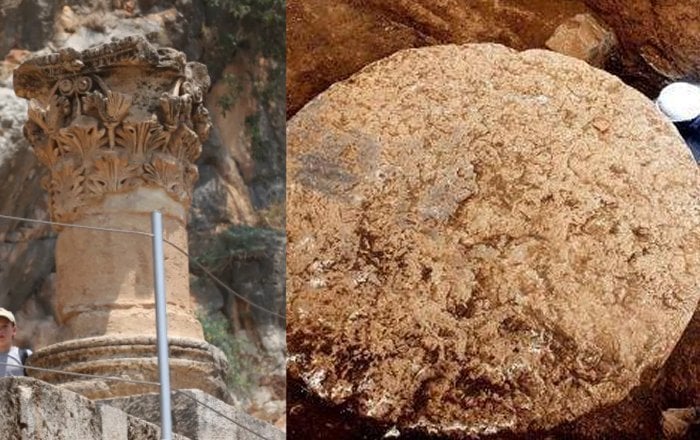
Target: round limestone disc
<point x="484" y="241"/>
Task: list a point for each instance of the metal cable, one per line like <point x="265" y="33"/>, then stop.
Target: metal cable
<point x="121" y="379"/>
<point x="70" y="225"/>
<point x="221" y="283"/>
<point x="149" y="234"/>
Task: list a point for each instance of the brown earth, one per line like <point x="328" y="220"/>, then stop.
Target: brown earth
<point x="484" y="242"/>
<point x="660" y="40"/>
<point x="328" y="41"/>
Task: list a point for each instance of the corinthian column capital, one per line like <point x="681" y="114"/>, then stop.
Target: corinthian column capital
<point x="114" y="118"/>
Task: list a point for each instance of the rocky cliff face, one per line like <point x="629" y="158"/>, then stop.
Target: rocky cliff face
<point x="241" y="169"/>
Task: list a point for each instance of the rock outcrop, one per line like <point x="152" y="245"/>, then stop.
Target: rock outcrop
<point x="486" y="242"/>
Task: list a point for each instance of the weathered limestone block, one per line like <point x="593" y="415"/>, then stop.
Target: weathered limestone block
<point x="119" y="127"/>
<point x="34" y="410"/>
<point x="585" y="38"/>
<point x="482" y="241"/>
<point x="196" y="421"/>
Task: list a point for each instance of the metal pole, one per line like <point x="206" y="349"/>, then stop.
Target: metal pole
<point x="166" y="422"/>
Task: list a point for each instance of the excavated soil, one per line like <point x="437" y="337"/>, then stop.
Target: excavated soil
<point x="329" y="40"/>
<point x="484" y="242"/>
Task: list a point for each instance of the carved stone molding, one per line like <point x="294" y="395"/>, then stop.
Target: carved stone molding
<point x="112" y="118"/>
<point x="193" y="364"/>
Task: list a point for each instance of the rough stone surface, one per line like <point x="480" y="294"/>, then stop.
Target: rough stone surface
<point x="483" y="241"/>
<point x="585" y="38"/>
<point x="638" y="416"/>
<point x="36" y="410"/>
<point x="26" y="250"/>
<point x="191" y="418"/>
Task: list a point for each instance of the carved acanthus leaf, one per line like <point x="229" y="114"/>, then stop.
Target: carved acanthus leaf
<point x="185" y="145"/>
<point x="44" y="147"/>
<point x="83" y="137"/>
<point x="112" y="173"/>
<point x="171" y="107"/>
<point x="66" y="189"/>
<point x="50" y="119"/>
<point x="111" y="108"/>
<point x="165" y="171"/>
<point x="201" y="122"/>
<point x="116" y="106"/>
<point x="140" y="138"/>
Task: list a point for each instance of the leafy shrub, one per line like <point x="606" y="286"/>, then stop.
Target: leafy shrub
<point x="217" y="331"/>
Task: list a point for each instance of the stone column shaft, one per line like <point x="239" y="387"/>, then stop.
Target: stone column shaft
<point x="119" y="127"/>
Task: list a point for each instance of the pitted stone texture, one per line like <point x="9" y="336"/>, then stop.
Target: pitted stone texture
<point x="483" y="241"/>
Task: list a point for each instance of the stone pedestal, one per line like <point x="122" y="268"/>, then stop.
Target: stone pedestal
<point x="193" y="364"/>
<point x="119" y="127"/>
<point x="35" y="410"/>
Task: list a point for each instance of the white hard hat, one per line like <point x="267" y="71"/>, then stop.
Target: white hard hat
<point x="679" y="101"/>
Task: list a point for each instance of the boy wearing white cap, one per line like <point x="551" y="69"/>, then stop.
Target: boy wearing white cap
<point x="11" y="358"/>
<point x="680" y="102"/>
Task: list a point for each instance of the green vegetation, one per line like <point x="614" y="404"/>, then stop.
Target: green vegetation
<point x="274" y="215"/>
<point x="265" y="17"/>
<point x="238" y="242"/>
<point x="258" y="25"/>
<point x="234" y="87"/>
<point x="217" y="331"/>
<point x="255" y="29"/>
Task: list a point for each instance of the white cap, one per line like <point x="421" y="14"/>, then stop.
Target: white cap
<point x="4" y="313"/>
<point x="679" y="101"/>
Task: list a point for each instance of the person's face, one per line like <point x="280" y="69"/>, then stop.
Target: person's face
<point x="7" y="334"/>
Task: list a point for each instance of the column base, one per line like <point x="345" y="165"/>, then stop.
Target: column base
<point x="193" y="364"/>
